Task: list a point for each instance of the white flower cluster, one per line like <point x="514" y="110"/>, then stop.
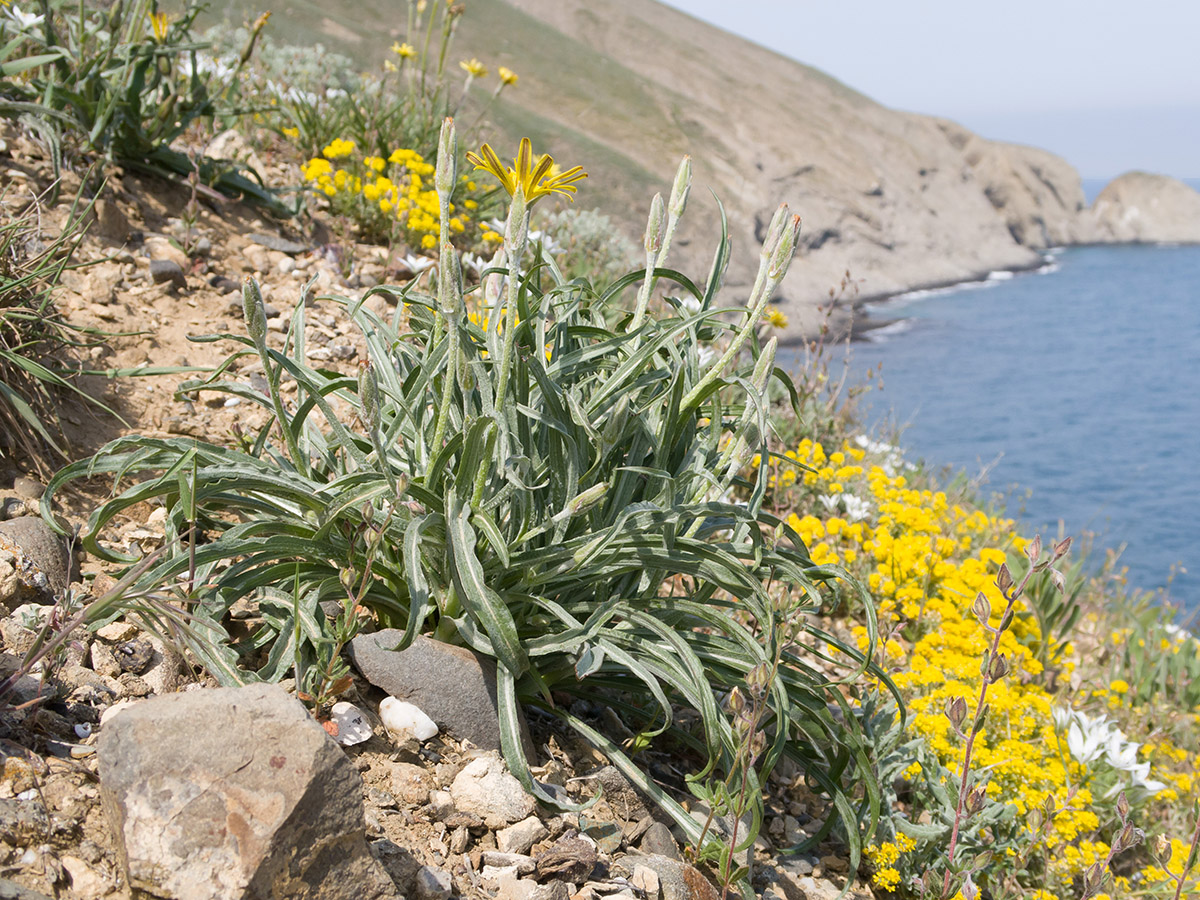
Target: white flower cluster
<point x="24" y="21"/>
<point x="892" y="459"/>
<point x="1094" y="738"/>
<point x="856" y="508"/>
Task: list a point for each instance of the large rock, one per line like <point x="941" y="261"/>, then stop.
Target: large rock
<point x="235" y="793"/>
<point x="452" y="685"/>
<point x="678" y="880"/>
<point x="38" y="559"/>
<point x="1139" y="207"/>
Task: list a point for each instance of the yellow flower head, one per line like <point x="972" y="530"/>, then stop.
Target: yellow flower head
<point x="507" y="75"/>
<point x="404" y="51"/>
<point x="159" y="23"/>
<point x="534" y="179"/>
<point x="292" y="133"/>
<point x="474" y="68"/>
<point x="389" y="66"/>
<point x="776" y="319"/>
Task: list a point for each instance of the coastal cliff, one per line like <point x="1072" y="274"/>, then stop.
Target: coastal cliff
<point x="891" y="201"/>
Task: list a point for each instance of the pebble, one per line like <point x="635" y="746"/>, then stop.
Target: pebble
<point x="29" y="488"/>
<point x="164" y="271"/>
<point x="405" y="720"/>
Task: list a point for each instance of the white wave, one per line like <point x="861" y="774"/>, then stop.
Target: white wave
<point x="888" y="331"/>
<point x="999" y="275"/>
<point x="1051" y="266"/>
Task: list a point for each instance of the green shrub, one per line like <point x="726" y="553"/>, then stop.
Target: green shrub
<point x="35" y="340"/>
<point x="124" y="82"/>
<point x="542" y="487"/>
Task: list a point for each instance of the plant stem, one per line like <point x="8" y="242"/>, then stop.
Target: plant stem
<point x="1186" y="869"/>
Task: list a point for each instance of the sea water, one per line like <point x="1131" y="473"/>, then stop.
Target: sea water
<point x="1076" y="390"/>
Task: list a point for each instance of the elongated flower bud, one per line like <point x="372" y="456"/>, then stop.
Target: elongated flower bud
<point x="774" y="231"/>
<point x="784" y="249"/>
<point x="253" y="310"/>
<point x="451" y="295"/>
<point x="368" y="395"/>
<point x="681" y="188"/>
<point x="585" y="501"/>
<point x="764" y="367"/>
<point x="447" y="159"/>
<point x="655" y="225"/>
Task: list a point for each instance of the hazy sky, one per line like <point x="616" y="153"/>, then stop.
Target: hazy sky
<point x="1111" y="85"/>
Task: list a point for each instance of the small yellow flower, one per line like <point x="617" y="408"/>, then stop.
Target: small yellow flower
<point x="159" y="23"/>
<point x="776" y="319"/>
<point x="404" y="51"/>
<point x="534" y="179"/>
<point x="474" y="68"/>
<point x="1119" y="686"/>
<point x="338" y="148"/>
<point x="507" y="75"/>
<point x="389" y="66"/>
<point x="292" y="133"/>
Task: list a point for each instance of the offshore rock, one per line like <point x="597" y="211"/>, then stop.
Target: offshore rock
<point x="235" y="793"/>
<point x="1139" y="207"/>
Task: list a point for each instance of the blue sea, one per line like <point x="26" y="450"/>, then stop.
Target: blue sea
<point x="1076" y="389"/>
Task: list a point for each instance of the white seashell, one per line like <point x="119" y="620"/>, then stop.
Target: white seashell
<point x="353" y="727"/>
<point x="405" y="720"/>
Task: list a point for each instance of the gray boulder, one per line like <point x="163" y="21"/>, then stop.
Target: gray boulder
<point x="235" y="793"/>
<point x="452" y="685"/>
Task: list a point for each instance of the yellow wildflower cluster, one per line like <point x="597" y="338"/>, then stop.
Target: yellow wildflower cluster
<point x="381" y="195"/>
<point x="926" y="559"/>
<point x="884" y="858"/>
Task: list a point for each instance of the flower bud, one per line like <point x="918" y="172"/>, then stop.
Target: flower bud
<point x="368" y="395"/>
<point x="682" y="187"/>
<point x="1004" y="579"/>
<point x="764" y="367"/>
<point x="786" y="248"/>
<point x="774" y="231"/>
<point x="451" y="294"/>
<point x="253" y="310"/>
<point x="1034" y="549"/>
<point x="589" y="498"/>
<point x="982" y="608"/>
<point x="1000" y="667"/>
<point x="447" y="159"/>
<point x="656" y="224"/>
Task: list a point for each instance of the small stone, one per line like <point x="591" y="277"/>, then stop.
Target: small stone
<point x="11" y="507"/>
<point x="273" y="242"/>
<point x="441" y="804"/>
<point x="117" y="632"/>
<point x="164" y="271"/>
<point x="835" y="864"/>
<point x="29" y="488"/>
<point x="110" y="222"/>
<point x="520" y="837"/>
<point x="658" y="841"/>
<point x="570" y="859"/>
<point x="645" y="880"/>
<point x="351" y="725"/>
<point x="405" y="720"/>
<point x="287" y="265"/>
<point x="523" y="864"/>
<point x="553" y="890"/>
<point x="433" y="883"/>
<point x="485" y="787"/>
<point x="86" y="883"/>
<point x="510" y="887"/>
<point x="412" y="784"/>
